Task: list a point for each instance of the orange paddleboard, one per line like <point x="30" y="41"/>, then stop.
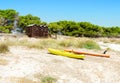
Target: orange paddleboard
<point x="87" y="53"/>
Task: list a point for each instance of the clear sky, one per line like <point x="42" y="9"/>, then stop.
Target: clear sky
<point x="99" y="12"/>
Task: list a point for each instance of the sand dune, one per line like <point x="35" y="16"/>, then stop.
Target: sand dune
<point x="26" y="63"/>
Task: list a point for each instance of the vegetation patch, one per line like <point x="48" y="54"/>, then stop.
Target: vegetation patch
<point x="52" y="43"/>
<point x="43" y="44"/>
<point x="4" y="48"/>
<point x="20" y="80"/>
<point x="3" y="62"/>
<point x="48" y="79"/>
<point x="45" y="79"/>
<point x="66" y="43"/>
<point x="88" y="44"/>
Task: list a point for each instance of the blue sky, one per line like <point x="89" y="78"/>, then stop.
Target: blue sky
<point x="99" y="12"/>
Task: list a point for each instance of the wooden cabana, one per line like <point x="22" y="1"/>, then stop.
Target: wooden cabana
<point x="37" y="31"/>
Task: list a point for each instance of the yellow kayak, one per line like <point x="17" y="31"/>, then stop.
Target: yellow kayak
<point x="64" y="53"/>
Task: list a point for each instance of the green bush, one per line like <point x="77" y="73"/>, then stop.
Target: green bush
<point x="48" y="79"/>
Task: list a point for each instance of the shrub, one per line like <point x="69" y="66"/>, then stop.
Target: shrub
<point x="4" y="48"/>
<point x="48" y="79"/>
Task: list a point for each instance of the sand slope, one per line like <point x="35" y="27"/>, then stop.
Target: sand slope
<point x="24" y="62"/>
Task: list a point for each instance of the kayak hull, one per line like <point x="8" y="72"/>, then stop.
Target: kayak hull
<point x="67" y="54"/>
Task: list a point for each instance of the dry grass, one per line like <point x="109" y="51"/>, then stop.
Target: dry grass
<point x="54" y="43"/>
<point x="3" y="62"/>
<point x="20" y="80"/>
<point x="45" y="79"/>
<point x="88" y="44"/>
<point x="60" y="43"/>
<point x="80" y="43"/>
<point x="3" y="48"/>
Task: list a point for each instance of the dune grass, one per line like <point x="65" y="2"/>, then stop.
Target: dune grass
<point x="41" y="79"/>
<point x="45" y="78"/>
<point x="3" y="62"/>
<point x="20" y="80"/>
<point x="48" y="79"/>
<point x="79" y="43"/>
<point x="4" y="47"/>
<point x="54" y="43"/>
<point x="88" y="44"/>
